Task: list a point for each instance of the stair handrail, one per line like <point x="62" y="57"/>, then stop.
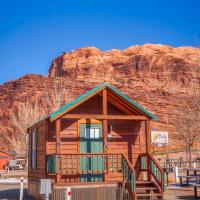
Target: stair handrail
<point x="129" y="176"/>
<point x="154" y="168"/>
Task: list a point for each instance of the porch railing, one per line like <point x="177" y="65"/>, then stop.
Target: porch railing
<point x="76" y="164"/>
<point x="95" y="163"/>
<point x="129" y="176"/>
<point x="149" y="164"/>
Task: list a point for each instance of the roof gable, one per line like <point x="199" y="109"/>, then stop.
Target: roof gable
<point x="74" y="103"/>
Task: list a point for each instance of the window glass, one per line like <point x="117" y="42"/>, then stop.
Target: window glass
<point x="87" y="132"/>
<point x="97" y="133"/>
<point x="92" y="133"/>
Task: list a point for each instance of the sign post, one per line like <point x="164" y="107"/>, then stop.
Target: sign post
<point x="21" y="188"/>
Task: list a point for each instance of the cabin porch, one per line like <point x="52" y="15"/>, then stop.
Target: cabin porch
<point x="107" y="168"/>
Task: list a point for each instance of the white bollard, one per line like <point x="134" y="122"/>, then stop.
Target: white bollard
<point x="21" y="188"/>
<point x="176" y="174"/>
<point x="194" y="164"/>
<point x="68" y="193"/>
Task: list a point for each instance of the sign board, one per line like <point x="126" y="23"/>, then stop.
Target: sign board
<point x="159" y="137"/>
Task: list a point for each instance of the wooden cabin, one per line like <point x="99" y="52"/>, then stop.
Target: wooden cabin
<point x="98" y="144"/>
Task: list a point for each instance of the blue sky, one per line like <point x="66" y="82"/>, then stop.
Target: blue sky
<point x="34" y="32"/>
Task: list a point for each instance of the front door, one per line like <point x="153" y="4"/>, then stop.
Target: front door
<point x="91" y="141"/>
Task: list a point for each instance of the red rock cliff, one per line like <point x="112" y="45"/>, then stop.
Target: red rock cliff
<point x="156" y="76"/>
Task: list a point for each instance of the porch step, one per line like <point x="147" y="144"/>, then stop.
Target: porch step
<point x="143" y="182"/>
<point x="147" y="190"/>
<point x="149" y="196"/>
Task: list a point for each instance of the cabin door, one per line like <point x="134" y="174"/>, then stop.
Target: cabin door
<point x="91" y="141"/>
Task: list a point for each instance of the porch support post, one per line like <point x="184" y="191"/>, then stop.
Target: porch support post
<point x="105" y="128"/>
<point x="148" y="146"/>
<point x="148" y="139"/>
<point x="105" y="121"/>
<point x="58" y="144"/>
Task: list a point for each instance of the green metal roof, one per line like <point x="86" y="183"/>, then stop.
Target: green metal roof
<point x="99" y="88"/>
<point x="89" y="93"/>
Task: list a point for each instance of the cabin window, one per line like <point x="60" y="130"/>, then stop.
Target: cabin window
<point x="92" y="133"/>
<point x="30" y="150"/>
<point x="34" y="136"/>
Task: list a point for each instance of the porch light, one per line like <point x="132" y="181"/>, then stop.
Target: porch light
<point x="110" y="128"/>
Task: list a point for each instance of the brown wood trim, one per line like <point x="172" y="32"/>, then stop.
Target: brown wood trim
<point x="87" y="154"/>
<point x="108" y="117"/>
<point x="128" y="163"/>
<point x="123" y="104"/>
<point x="105" y="121"/>
<point x="119" y="106"/>
<point x="104" y="103"/>
<point x="129" y="105"/>
<point x="148" y="139"/>
<point x="156" y="163"/>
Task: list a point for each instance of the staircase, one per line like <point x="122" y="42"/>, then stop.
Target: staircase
<point x="149" y="182"/>
<point x="147" y="190"/>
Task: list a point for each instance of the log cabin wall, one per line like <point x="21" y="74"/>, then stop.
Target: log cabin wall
<point x="40" y="152"/>
<point x="68" y="134"/>
<point x="34" y="175"/>
<point x="125" y="139"/>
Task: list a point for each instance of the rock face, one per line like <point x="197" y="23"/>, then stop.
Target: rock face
<point x="155" y="76"/>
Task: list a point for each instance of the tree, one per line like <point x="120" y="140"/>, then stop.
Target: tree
<point x="187" y="122"/>
<point x="25" y="114"/>
<point x="55" y="95"/>
<point x="22" y="117"/>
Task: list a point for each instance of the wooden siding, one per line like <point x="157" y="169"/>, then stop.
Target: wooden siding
<point x="91" y="106"/>
<point x="68" y="135"/>
<point x="40" y="170"/>
<point x="81" y="192"/>
<point x="125" y="139"/>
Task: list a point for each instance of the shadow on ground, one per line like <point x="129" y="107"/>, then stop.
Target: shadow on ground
<point x="13" y="194"/>
<point x="189" y="197"/>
